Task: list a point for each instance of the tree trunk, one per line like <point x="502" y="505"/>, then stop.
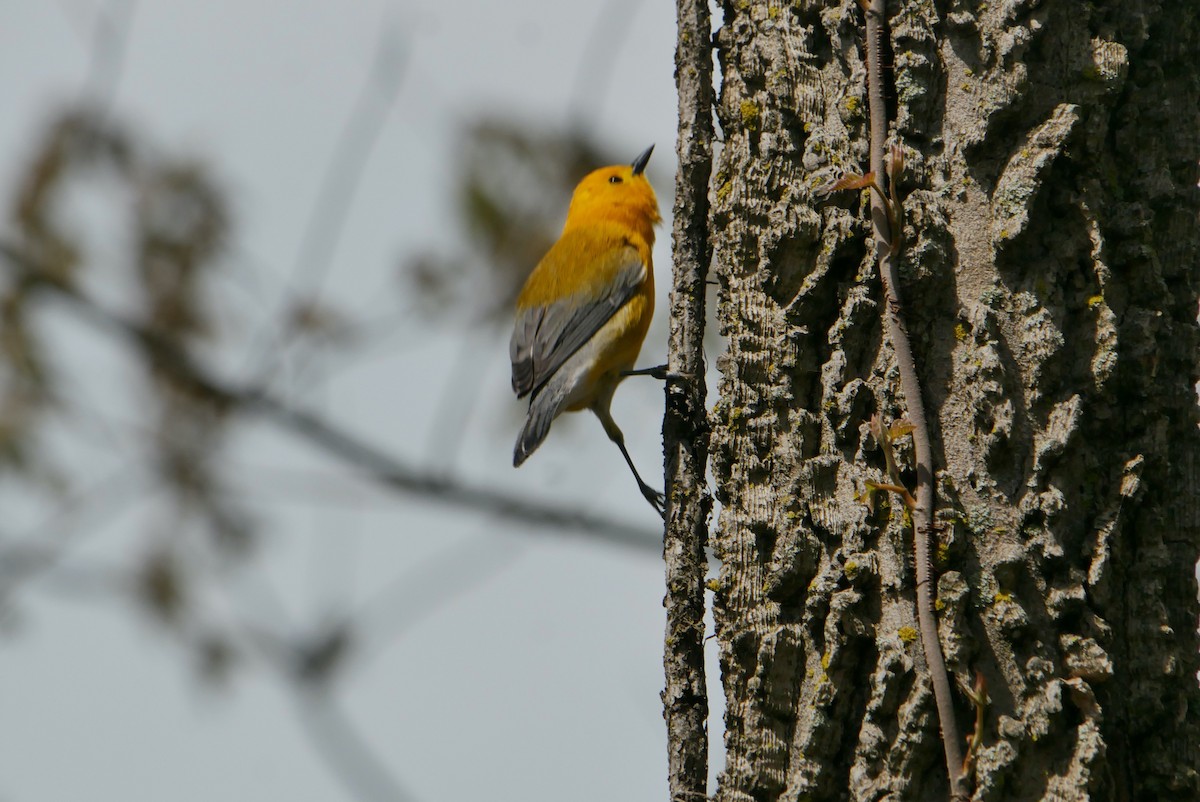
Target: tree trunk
<point x="1050" y="281"/>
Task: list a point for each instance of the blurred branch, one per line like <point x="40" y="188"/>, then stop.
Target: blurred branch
<point x="594" y="70"/>
<point x="342" y="177"/>
<point x="421" y="590"/>
<point x="459" y="397"/>
<point x="85" y="582"/>
<point x="307" y="665"/>
<point x="344" y="750"/>
<point x="354" y="148"/>
<point x="110" y="37"/>
<point x="27" y="556"/>
<point x="169" y="357"/>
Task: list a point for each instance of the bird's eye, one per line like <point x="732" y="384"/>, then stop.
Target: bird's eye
<point x="614" y="179"/>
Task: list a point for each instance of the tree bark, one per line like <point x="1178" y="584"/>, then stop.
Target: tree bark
<point x="1050" y="281"/>
<point x="685" y="428"/>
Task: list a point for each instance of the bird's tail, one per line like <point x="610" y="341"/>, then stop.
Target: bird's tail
<point x="544" y="407"/>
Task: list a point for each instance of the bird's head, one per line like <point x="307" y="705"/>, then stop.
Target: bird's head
<point x="618" y="192"/>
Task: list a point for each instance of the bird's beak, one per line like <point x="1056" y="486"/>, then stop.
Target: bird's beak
<point x="639" y="164"/>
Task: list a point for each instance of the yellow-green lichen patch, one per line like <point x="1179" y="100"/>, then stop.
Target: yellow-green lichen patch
<point x="907" y="634"/>
<point x="750" y="114"/>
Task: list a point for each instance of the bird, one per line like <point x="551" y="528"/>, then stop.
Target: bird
<point x="585" y="309"/>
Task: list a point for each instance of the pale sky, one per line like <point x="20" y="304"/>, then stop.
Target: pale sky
<point x="540" y="681"/>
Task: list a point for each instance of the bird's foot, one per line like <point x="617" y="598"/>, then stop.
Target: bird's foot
<point x="657" y="500"/>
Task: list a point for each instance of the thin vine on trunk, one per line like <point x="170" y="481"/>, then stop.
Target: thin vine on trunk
<point x="885" y="214"/>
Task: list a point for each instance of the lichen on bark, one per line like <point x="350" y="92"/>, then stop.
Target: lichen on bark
<point x="1050" y="281"/>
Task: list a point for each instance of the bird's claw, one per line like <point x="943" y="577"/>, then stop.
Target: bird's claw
<point x="657" y="500"/>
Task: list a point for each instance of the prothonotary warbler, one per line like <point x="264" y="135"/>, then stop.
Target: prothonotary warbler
<point x="586" y="307"/>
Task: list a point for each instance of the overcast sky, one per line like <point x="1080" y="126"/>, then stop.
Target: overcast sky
<point x="539" y="679"/>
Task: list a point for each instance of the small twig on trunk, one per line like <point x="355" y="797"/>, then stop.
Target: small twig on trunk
<point x="885" y="219"/>
<point x="685" y="430"/>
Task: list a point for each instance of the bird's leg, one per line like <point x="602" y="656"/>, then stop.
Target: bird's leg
<point x="658" y="371"/>
<point x="656" y="499"/>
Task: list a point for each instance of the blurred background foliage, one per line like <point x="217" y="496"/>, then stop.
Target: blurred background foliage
<point x="159" y="293"/>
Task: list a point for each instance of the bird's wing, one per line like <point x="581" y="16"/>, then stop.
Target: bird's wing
<point x="546" y="335"/>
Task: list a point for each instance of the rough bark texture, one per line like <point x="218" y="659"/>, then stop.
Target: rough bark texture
<point x="685" y="429"/>
<point x="1051" y="284"/>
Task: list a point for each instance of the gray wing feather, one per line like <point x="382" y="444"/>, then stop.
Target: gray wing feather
<point x="545" y="406"/>
<point x="546" y="336"/>
<point x="520" y="349"/>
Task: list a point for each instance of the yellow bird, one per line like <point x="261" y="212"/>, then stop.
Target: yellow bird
<point x="585" y="309"/>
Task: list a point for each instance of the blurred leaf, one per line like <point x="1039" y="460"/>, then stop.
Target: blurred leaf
<point x="159" y="585"/>
<point x="315" y="318"/>
<point x="182" y="224"/>
<point x="75" y="143"/>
